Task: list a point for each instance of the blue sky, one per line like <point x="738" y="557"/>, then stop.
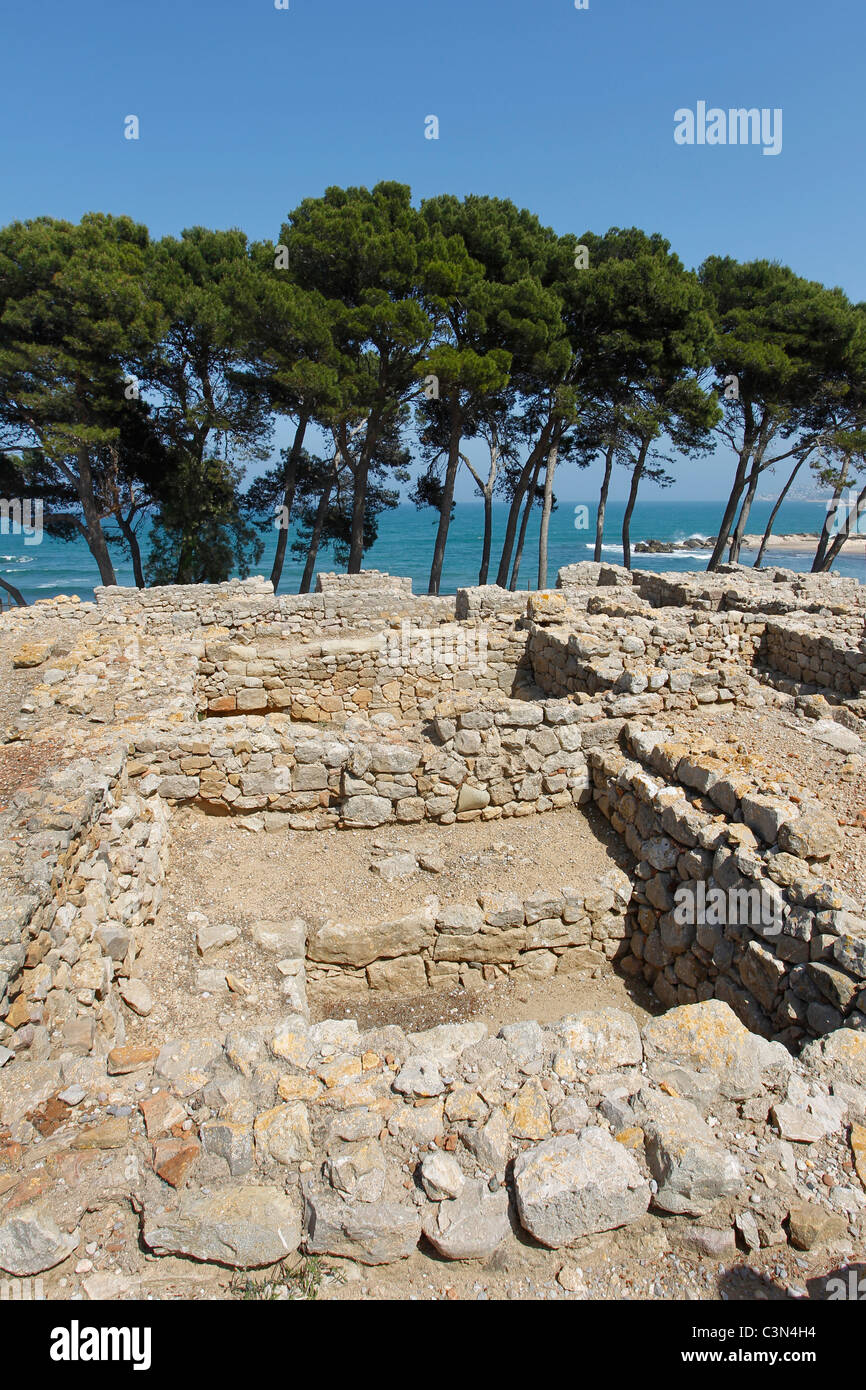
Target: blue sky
<point x="245" y="109"/>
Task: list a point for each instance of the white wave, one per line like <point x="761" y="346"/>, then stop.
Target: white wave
<point x="17" y="559"/>
<point x="590" y="545"/>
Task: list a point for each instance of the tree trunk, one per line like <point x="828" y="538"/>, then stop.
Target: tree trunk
<point x="518" y="555"/>
<point x="134" y="549"/>
<point x="488" y="536"/>
<point x="774" y="513"/>
<point x="742" y="519"/>
<point x="361" y="473"/>
<point x="526" y="474"/>
<point x="852" y="519"/>
<point x="824" y="539"/>
<point x="315" y="538"/>
<point x="733" y="500"/>
<point x="602" y="502"/>
<point x="92" y="522"/>
<point x="547" y="506"/>
<point x="16" y="593"/>
<point x="447" y="499"/>
<point x="288" y="500"/>
<point x="637" y="473"/>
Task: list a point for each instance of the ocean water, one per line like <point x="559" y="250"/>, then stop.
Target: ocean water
<point x="405" y="546"/>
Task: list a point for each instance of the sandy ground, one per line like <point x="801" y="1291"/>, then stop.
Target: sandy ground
<point x="237" y="877"/>
<point x="804" y="540"/>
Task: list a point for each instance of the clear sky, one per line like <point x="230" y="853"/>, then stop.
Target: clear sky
<point x="245" y="109"/>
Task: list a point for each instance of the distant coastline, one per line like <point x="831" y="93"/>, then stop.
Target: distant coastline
<point x="794" y="543"/>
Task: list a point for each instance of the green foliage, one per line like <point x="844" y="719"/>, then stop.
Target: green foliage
<point x="143" y="379"/>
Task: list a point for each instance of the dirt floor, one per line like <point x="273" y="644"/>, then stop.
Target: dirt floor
<point x="241" y="878"/>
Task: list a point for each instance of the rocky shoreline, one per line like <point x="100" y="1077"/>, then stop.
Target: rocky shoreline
<point x="794" y="543"/>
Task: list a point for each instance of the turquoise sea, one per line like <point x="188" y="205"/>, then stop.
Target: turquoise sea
<point x="405" y="546"/>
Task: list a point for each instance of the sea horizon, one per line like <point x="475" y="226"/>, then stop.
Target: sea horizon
<point x="405" y="546"/>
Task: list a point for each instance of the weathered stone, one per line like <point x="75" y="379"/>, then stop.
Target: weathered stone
<point x="529" y="1113"/>
<point x="708" y="1240"/>
<point x="360" y="811"/>
<point x="796" y="1124"/>
<point x="446" y="1042"/>
<point x="472" y="1226"/>
<point x="186" y="1064"/>
<point x="575" y="1185"/>
<point x="603" y="1038"/>
<point x="373" y="1233"/>
<point x="286" y="939"/>
<point x="243" y="1227"/>
<point x="441" y="1177"/>
<point x="490" y="1143"/>
<point x="843" y="1051"/>
<point x="419" y="1076"/>
<point x="357" y="1169"/>
<point x="211" y="938"/>
<point x="405" y="975"/>
<point x="810" y="1225"/>
<point x="161" y="1112"/>
<point x="231" y="1141"/>
<point x="175" y="1159"/>
<point x="283" y="1133"/>
<point x="31" y="1242"/>
<point x="136" y="994"/>
<point x="30" y="654"/>
<point x="710" y="1037"/>
<point x="692" y="1168"/>
<point x="338" y="943"/>
<point x="813" y="835"/>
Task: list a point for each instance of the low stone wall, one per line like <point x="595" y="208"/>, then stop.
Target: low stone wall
<point x="489" y="759"/>
<point x="250" y="607"/>
<point x="548" y="933"/>
<point x="704" y="657"/>
<point x="399" y="666"/>
<point x="696" y="825"/>
<point x="241" y="1147"/>
<point x="833" y="662"/>
<point x="741" y="587"/>
<point x="98" y="858"/>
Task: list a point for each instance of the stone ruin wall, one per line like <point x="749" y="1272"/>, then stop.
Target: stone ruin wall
<point x="471" y="942"/>
<point x="68" y="943"/>
<point x="691" y="819"/>
<point x="445" y="753"/>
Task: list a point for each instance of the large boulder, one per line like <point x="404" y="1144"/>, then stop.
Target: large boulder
<point x="359" y="944"/>
<point x="244" y="1227"/>
<point x="471" y="1226"/>
<point x="710" y="1037"/>
<point x="841" y="1054"/>
<point x="692" y="1168"/>
<point x="374" y="1233"/>
<point x="603" y="1038"/>
<point x="577" y="1184"/>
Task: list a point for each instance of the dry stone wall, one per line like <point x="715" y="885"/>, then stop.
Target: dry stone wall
<point x="74" y="907"/>
<point x="605" y="647"/>
<point x="496" y="758"/>
<point x="401" y="666"/>
<point x="783" y="946"/>
<point x="552" y="932"/>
